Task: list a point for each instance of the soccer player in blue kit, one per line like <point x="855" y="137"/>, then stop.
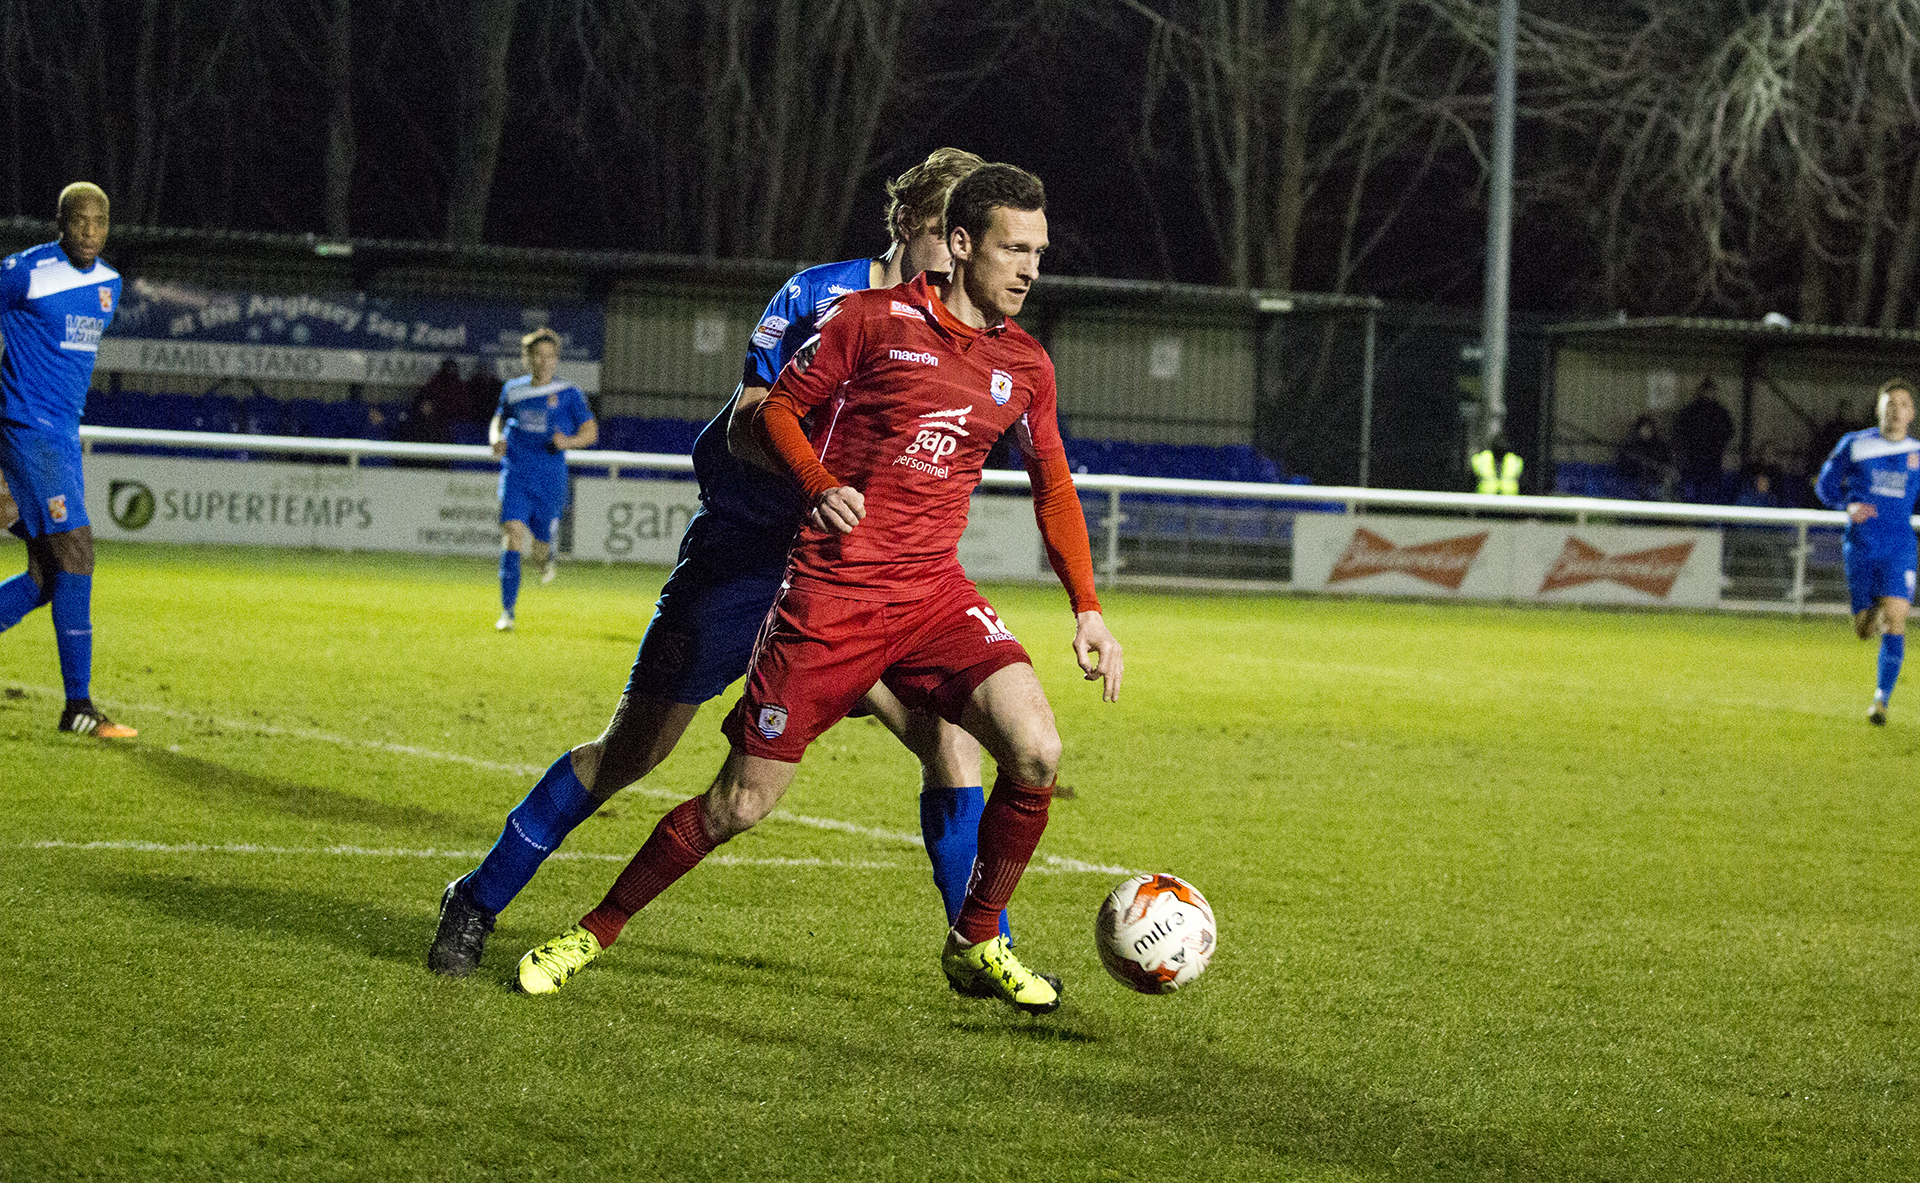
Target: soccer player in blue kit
<point x="56" y="299"/>
<point x="1874" y="475"/>
<point x="538" y="419"/>
<point x="702" y="634"/>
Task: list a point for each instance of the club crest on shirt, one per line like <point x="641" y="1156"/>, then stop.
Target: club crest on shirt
<point x="553" y="400"/>
<point x="773" y="721"/>
<point x="1913" y="460"/>
<point x="1001" y="387"/>
<point x="106" y="299"/>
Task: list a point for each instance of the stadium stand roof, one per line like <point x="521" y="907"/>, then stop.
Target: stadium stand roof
<point x="364" y="262"/>
<point x="1666" y="330"/>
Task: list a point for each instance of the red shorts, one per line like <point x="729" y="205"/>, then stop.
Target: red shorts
<point x="819" y="654"/>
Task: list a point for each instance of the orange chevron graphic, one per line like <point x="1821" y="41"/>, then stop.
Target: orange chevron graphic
<point x="1444" y="563"/>
<point x="1652" y="571"/>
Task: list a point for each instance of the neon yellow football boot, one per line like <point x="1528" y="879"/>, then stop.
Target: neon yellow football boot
<point x="990" y="970"/>
<point x="550" y="966"/>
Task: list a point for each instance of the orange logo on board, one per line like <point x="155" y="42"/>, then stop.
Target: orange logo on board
<point x="1652" y="571"/>
<point x="1444" y="563"/>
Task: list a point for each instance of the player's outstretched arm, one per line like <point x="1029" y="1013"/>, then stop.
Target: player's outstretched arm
<point x="1098" y="651"/>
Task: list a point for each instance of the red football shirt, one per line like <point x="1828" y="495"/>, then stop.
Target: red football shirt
<point x="910" y="400"/>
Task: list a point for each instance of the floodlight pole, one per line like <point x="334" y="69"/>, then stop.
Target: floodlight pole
<point x="1493" y="323"/>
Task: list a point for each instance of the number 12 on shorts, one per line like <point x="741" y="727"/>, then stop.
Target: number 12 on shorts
<point x="991" y="619"/>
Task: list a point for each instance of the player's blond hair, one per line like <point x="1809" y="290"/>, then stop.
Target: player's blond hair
<point x="77" y="192"/>
<point x="543" y="333"/>
<point x="921" y="192"/>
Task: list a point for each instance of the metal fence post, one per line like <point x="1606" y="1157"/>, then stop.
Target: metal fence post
<point x="1800" y="549"/>
<point x="1113" y="536"/>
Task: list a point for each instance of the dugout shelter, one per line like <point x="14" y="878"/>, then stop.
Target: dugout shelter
<point x="1794" y="387"/>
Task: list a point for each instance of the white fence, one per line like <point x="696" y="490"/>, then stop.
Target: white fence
<point x="1122" y="517"/>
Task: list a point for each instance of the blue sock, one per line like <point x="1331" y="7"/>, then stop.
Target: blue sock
<point x="73" y="630"/>
<point x="19" y="596"/>
<point x="535" y="828"/>
<point x="1892" y="650"/>
<point x="950" y="823"/>
<point x="509" y="579"/>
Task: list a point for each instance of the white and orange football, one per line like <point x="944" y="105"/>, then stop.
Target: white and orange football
<point x="1155" y="933"/>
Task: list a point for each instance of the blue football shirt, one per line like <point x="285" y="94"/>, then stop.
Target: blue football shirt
<point x="52" y="315"/>
<point x="1883" y="473"/>
<point x="739" y="492"/>
<point x="529" y="416"/>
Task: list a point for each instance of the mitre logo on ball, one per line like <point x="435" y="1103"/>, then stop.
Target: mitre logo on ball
<point x="1155" y="933"/>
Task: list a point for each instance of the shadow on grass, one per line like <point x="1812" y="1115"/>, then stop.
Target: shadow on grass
<point x="346" y="922"/>
<point x="290" y="797"/>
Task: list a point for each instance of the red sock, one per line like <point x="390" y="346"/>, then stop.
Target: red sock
<point x="1010" y="829"/>
<point x="678" y="842"/>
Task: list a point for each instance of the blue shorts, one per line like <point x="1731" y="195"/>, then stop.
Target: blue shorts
<point x="539" y="505"/>
<point x="1872" y="574"/>
<point x="710" y="611"/>
<point x="42" y="471"/>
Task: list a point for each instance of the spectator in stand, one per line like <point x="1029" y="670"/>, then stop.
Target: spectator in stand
<point x="364" y="420"/>
<point x="1761" y="547"/>
<point x="1701" y="432"/>
<point x="1645" y="462"/>
<point x="1763" y="482"/>
<point x="447" y="392"/>
<point x="483" y="391"/>
<point x="425" y="423"/>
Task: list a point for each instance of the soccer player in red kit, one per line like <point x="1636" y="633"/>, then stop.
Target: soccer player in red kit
<point x="909" y="387"/>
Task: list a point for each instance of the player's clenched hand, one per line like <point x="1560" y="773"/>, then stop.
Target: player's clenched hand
<point x="839" y="510"/>
<point x="1860" y="511"/>
<point x="1098" y="652"/>
<point x="499" y="448"/>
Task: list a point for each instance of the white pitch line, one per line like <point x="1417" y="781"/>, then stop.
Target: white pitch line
<point x="1046" y="862"/>
<point x="1063" y="866"/>
<point x="725" y="860"/>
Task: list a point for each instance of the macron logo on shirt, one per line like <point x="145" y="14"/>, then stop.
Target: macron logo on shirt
<point x="925" y="359"/>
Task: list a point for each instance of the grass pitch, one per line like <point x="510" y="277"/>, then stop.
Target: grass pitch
<point x="1504" y="893"/>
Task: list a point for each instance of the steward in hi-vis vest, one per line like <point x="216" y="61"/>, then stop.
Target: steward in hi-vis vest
<point x="1498" y="468"/>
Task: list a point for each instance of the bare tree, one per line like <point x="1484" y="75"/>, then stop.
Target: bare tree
<point x="484" y="31"/>
<point x="317" y="37"/>
<point x="1755" y="157"/>
<point x="119" y="93"/>
<point x="731" y="127"/>
<point x="1284" y="107"/>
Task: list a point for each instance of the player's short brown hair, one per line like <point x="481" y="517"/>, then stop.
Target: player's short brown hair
<point x="992" y="186"/>
<point x="543" y="333"/>
<point x="74" y="194"/>
<point x="1891" y="385"/>
<point x="921" y="192"/>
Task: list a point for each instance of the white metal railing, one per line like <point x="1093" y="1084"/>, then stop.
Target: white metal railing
<point x="1353" y="499"/>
